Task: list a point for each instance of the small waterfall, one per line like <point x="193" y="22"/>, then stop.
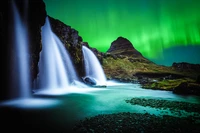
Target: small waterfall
<point x="20" y="72"/>
<point x="93" y="67"/>
<point x="55" y="67"/>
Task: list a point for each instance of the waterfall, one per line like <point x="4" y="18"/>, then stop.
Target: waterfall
<point x="93" y="67"/>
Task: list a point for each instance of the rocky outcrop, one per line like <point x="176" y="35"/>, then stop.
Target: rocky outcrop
<point x="187" y="89"/>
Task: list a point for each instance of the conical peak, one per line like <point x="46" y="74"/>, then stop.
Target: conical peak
<point x="123" y="46"/>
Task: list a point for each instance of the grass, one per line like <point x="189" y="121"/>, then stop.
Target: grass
<point x="167" y="84"/>
<point x="128" y="67"/>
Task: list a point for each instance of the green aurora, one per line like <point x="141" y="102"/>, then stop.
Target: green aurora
<point x="151" y="25"/>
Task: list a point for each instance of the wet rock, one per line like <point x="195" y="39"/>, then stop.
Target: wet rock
<point x="89" y="80"/>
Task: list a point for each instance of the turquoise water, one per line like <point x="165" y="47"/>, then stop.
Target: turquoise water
<point x="63" y="111"/>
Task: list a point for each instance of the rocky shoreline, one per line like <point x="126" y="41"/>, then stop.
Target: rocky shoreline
<point x="127" y="122"/>
<point x="164" y="104"/>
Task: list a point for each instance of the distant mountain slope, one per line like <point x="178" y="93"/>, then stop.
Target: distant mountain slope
<point x="123" y="62"/>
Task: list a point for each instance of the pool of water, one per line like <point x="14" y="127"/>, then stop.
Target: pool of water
<point x="60" y="112"/>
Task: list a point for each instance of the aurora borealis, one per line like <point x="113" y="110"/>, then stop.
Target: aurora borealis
<point x="153" y="26"/>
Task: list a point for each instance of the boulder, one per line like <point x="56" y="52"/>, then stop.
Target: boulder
<point x="89" y="80"/>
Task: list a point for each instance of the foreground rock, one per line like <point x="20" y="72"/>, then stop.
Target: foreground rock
<point x="126" y="122"/>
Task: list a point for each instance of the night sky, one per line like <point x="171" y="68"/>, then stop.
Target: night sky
<point x="164" y="31"/>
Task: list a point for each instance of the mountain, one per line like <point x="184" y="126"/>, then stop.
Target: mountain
<point x="122" y="46"/>
<point x="122" y="62"/>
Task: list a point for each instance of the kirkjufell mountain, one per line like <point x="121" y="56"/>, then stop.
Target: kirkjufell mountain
<point x="122" y="46"/>
<point x="124" y="63"/>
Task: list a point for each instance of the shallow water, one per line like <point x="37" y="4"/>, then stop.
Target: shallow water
<point x="60" y="112"/>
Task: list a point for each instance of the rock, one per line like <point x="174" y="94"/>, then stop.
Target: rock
<point x="89" y="80"/>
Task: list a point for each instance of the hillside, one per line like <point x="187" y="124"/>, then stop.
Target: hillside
<point x="124" y="63"/>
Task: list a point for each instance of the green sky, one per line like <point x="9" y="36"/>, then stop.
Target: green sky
<point x="151" y="25"/>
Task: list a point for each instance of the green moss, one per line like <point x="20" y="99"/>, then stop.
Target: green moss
<point x="153" y="76"/>
<point x="167" y="84"/>
<point x="118" y="68"/>
<point x="129" y="68"/>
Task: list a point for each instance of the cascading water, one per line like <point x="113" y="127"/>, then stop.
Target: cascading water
<point x="20" y="73"/>
<point x="19" y="79"/>
<point x="55" y="67"/>
<point x="93" y="67"/>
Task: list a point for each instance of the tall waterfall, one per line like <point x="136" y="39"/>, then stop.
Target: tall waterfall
<point x="56" y="69"/>
<point x="20" y="72"/>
